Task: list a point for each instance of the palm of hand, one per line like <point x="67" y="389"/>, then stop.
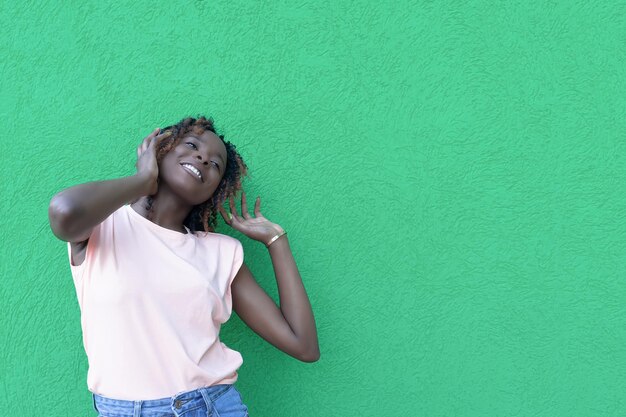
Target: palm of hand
<point x="257" y="228"/>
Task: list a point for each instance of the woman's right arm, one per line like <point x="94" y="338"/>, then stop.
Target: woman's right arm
<point x="75" y="211"/>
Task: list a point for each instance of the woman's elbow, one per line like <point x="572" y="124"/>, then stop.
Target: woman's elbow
<point x="60" y="217"/>
<point x="310" y="356"/>
<point x="55" y="216"/>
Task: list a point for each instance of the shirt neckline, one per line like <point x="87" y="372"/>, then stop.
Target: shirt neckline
<point x="157" y="228"/>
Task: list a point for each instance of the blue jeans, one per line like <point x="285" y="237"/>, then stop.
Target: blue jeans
<point x="222" y="400"/>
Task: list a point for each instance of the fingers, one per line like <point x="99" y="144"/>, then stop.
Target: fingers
<point x="157" y="140"/>
<point x="152" y="134"/>
<point x="233" y="218"/>
<point x="244" y="206"/>
<point x="142" y="147"/>
<point x="226" y="216"/>
<point x="163" y="135"/>
<point x="233" y="209"/>
<point x="157" y="134"/>
<point x="152" y="140"/>
<point x="146" y="142"/>
<point x="257" y="207"/>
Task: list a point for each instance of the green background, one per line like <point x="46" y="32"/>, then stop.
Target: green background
<point x="451" y="176"/>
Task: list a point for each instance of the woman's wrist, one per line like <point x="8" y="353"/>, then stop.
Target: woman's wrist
<point x="275" y="238"/>
<point x="146" y="183"/>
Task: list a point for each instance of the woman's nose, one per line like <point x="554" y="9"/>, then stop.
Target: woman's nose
<point x="205" y="162"/>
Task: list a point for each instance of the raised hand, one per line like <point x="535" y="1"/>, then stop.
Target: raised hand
<point x="147" y="167"/>
<point x="256" y="228"/>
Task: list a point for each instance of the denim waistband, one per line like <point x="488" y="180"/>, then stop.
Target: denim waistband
<point x="178" y="404"/>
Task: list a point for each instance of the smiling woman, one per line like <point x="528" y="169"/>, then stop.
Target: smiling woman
<point x="195" y="144"/>
<point x="155" y="282"/>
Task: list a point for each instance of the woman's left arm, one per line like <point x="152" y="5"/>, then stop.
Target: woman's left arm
<point x="291" y="328"/>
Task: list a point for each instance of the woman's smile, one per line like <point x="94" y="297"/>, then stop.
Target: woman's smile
<point x="193" y="170"/>
<point x="201" y="156"/>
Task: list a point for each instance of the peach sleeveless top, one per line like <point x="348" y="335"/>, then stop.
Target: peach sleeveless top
<point x="152" y="301"/>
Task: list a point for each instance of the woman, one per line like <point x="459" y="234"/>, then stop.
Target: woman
<point x="155" y="282"/>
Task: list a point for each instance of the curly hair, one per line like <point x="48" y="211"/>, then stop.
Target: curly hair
<point x="203" y="217"/>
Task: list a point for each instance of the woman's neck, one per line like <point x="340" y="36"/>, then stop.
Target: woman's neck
<point x="164" y="211"/>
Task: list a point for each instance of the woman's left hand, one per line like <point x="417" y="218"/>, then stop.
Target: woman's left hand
<point x="256" y="228"/>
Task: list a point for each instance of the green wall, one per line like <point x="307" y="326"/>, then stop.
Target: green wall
<point x="451" y="177"/>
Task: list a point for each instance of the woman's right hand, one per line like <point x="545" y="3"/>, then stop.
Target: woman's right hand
<point x="147" y="167"/>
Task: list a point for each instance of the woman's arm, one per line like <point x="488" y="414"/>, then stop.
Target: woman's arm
<point x="291" y="328"/>
<point x="75" y="211"/>
<point x="294" y="302"/>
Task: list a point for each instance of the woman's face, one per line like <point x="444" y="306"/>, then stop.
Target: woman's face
<point x="194" y="168"/>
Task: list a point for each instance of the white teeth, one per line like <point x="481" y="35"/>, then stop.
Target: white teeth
<point x="193" y="169"/>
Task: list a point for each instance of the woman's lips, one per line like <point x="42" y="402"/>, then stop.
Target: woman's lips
<point x="191" y="172"/>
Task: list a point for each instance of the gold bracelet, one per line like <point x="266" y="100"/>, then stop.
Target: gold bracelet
<point x="267" y="245"/>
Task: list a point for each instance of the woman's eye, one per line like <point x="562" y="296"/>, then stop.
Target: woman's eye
<point x="216" y="164"/>
<point x="192" y="145"/>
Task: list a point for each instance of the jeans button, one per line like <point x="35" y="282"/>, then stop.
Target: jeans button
<point x="178" y="403"/>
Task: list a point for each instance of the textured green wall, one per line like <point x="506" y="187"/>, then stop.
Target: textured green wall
<point x="451" y="177"/>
